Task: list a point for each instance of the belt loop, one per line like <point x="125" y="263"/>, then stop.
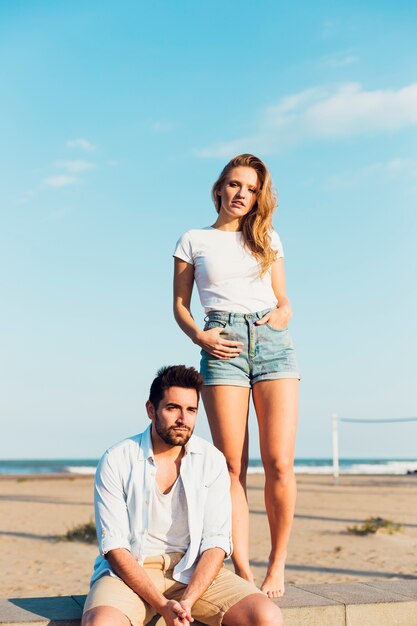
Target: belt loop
<point x="166" y="563"/>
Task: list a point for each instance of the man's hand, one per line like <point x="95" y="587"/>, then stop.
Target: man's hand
<point x="207" y="568"/>
<point x="176" y="613"/>
<point x="186" y="605"/>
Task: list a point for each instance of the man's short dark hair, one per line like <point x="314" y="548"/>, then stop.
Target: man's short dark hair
<point x="174" y="376"/>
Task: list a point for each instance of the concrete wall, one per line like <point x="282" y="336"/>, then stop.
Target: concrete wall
<point x="356" y="604"/>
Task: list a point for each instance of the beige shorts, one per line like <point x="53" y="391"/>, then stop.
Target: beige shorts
<point x="226" y="590"/>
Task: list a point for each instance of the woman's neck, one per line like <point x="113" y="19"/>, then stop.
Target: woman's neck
<point x="232" y="226"/>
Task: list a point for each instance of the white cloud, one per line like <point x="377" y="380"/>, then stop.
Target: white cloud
<point x="325" y="113"/>
<point x="26" y="196"/>
<point x="161" y="126"/>
<point x="404" y="170"/>
<point x="339" y="60"/>
<point x="58" y="214"/>
<point x="59" y="181"/>
<point x="84" y="144"/>
<point x="329" y="28"/>
<point x="405" y="166"/>
<point x="76" y="166"/>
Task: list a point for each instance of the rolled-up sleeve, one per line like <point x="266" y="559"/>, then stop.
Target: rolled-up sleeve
<point x="112" y="520"/>
<point x="217" y="522"/>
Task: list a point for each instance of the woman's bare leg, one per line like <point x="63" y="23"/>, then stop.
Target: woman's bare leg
<point x="227" y="412"/>
<point x="276" y="405"/>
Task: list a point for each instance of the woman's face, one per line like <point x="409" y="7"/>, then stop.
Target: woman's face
<point x="238" y="192"/>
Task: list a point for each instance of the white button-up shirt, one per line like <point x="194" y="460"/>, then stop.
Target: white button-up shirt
<point x="123" y="491"/>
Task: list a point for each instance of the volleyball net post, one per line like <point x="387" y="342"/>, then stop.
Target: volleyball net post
<point x="335" y="447"/>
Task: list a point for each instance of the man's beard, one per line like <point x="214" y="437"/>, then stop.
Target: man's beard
<point x="170" y="435"/>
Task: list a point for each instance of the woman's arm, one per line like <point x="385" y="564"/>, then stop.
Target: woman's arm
<point x="209" y="340"/>
<point x="183" y="289"/>
<point x="279" y="317"/>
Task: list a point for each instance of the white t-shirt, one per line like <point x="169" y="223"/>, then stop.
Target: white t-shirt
<point x="226" y="272"/>
<point x="168" y="521"/>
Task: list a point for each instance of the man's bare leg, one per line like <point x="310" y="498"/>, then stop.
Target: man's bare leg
<point x="254" y="610"/>
<point x="104" y="616"/>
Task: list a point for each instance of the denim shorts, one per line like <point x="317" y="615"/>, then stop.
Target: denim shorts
<point x="267" y="353"/>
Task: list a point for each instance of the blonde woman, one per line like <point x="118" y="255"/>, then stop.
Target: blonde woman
<point x="238" y="266"/>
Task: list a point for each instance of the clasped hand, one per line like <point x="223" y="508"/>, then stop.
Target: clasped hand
<point x="177" y="613"/>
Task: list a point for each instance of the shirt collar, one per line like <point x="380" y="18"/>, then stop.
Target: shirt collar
<point x="145" y="445"/>
<point x="193" y="446"/>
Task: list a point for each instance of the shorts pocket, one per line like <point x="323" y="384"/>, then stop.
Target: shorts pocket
<point x="276" y="330"/>
<point x="214" y="324"/>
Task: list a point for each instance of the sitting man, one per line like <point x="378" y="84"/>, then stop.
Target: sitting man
<point x="163" y="516"/>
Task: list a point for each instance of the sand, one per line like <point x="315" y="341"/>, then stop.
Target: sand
<point x="35" y="512"/>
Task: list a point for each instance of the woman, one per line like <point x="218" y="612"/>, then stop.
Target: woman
<point x="239" y="269"/>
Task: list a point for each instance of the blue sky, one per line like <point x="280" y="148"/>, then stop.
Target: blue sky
<point x="115" y="120"/>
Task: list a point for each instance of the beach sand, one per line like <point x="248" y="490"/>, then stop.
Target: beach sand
<point x="35" y="511"/>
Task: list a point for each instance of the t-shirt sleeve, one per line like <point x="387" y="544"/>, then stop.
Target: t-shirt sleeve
<point x="276" y="244"/>
<point x="184" y="249"/>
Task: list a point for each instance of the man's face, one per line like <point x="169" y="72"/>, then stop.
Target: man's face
<point x="174" y="419"/>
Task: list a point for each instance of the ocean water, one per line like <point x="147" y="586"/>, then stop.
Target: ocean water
<point x="302" y="466"/>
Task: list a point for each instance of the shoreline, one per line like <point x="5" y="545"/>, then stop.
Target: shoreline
<point x="84" y="476"/>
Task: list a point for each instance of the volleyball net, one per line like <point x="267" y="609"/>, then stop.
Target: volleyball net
<point x="335" y="433"/>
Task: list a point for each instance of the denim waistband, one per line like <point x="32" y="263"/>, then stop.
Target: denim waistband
<point x="230" y="317"/>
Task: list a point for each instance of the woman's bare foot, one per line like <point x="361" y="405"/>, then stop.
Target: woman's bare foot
<point x="273" y="585"/>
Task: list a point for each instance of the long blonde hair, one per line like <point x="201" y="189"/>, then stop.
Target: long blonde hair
<point x="257" y="224"/>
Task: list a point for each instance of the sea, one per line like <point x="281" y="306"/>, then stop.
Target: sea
<point x="302" y="466"/>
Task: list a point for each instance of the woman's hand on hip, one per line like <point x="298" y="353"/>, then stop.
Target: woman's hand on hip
<point x="212" y="342"/>
<point x="277" y="318"/>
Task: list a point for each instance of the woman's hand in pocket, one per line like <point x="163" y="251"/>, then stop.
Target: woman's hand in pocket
<point x="277" y="318"/>
<point x="212" y="342"/>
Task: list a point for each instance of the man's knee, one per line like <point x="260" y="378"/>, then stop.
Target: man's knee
<point x="254" y="610"/>
<point x="268" y="613"/>
<point x="104" y="616"/>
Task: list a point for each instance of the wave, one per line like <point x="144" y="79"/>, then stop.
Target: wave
<point x="80" y="469"/>
<point x="87" y="467"/>
<point x="358" y="467"/>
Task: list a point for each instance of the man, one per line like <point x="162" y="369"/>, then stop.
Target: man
<point x="163" y="519"/>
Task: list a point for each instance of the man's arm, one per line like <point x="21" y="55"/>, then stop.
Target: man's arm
<point x="128" y="569"/>
<point x="206" y="570"/>
<point x="217" y="521"/>
<point x="113" y="531"/>
<point x="216" y="535"/>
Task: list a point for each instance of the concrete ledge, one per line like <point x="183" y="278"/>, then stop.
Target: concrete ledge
<point x="356" y="604"/>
